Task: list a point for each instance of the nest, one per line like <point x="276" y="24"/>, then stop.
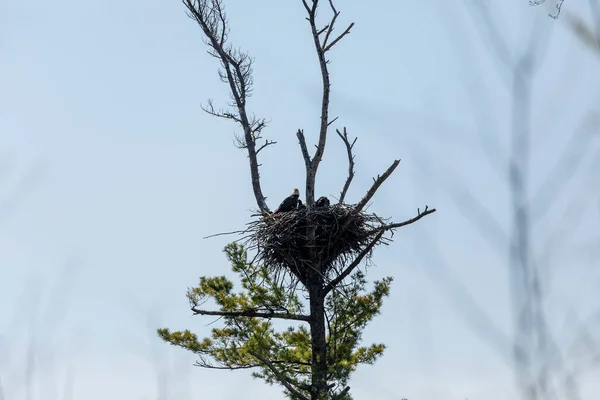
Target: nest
<point x="284" y="241"/>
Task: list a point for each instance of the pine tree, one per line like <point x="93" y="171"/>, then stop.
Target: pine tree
<point x="305" y="273"/>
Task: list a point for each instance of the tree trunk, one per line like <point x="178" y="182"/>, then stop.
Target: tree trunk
<point x="318" y="341"/>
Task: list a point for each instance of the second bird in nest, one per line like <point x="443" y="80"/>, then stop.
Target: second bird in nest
<point x="293" y="202"/>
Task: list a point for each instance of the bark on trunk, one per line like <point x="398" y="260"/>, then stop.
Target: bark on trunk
<point x="318" y="341"/>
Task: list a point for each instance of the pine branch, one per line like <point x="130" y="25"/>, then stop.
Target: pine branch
<point x="280" y="377"/>
<point x="253" y="314"/>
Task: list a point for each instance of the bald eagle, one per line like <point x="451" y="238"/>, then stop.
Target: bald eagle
<point x="322" y="202"/>
<point x="290" y="203"/>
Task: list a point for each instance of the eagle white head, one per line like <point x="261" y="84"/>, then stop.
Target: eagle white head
<point x="296" y="192"/>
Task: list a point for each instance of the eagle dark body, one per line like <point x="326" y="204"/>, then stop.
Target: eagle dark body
<point x="289" y="203"/>
<point x="322" y="202"/>
<point x="293" y="202"/>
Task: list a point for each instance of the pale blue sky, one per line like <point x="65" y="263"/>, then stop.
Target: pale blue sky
<point x="114" y="175"/>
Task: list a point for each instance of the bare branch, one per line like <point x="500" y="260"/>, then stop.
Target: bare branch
<point x="378" y="182"/>
<point x="237" y="73"/>
<point x="347" y="31"/>
<point x="396" y="225"/>
<point x="378" y="234"/>
<point x="252" y="314"/>
<point x="330" y="28"/>
<point x="558" y="7"/>
<point x="267" y="143"/>
<point x="305" y="155"/>
<point x="210" y="109"/>
<point x="321" y="49"/>
<point x="325" y="28"/>
<point x="329" y="287"/>
<point x="349" y="147"/>
<point x="284" y="381"/>
<point x="239" y="232"/>
<point x="331" y="25"/>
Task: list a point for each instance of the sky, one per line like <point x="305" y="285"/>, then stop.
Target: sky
<point x="111" y="175"/>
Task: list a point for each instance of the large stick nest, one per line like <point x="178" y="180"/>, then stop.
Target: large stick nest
<point x="283" y="241"/>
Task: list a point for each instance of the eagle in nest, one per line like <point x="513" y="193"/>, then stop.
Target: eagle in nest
<point x="322" y="202"/>
<point x="290" y="203"/>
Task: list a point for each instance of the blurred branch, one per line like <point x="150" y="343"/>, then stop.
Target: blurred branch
<point x="585" y="33"/>
<point x="30" y="180"/>
<point x="562" y="173"/>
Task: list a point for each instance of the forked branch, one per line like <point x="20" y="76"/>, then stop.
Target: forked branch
<point x="321" y="48"/>
<point x="237" y="73"/>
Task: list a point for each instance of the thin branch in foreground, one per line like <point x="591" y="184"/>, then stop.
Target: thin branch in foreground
<point x="349" y="147"/>
<point x="253" y="314"/>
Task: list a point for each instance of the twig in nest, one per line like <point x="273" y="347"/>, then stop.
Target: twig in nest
<point x="226" y="233"/>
